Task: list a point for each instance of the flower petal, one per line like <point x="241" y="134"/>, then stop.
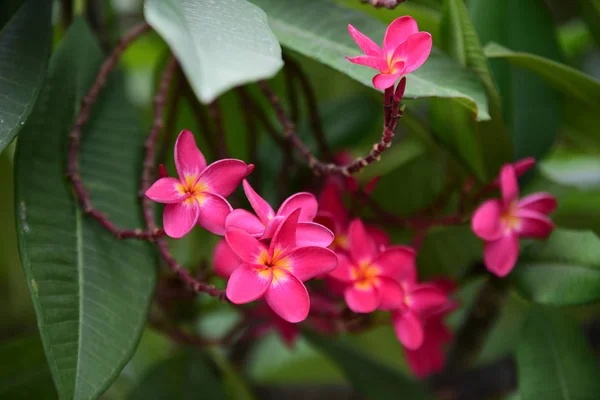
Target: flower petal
<point x="223" y="176"/>
<point x="369" y="61"/>
<point x="262" y="209"/>
<point x="248" y="282"/>
<point x="166" y="190"/>
<point x="508" y="184"/>
<point x="225" y="261"/>
<point x="180" y="218"/>
<point x="284" y="238"/>
<point x="311" y="261"/>
<point x="543" y="203"/>
<point x="271" y="227"/>
<point x="426" y="298"/>
<point x="245" y="220"/>
<point x="362" y="301"/>
<point x="397" y="262"/>
<point x="306" y="202"/>
<point x="392" y="295"/>
<point x="312" y="234"/>
<point x="408" y="328"/>
<point x="397" y="32"/>
<point x="189" y="160"/>
<point x="384" y="81"/>
<point x="330" y="201"/>
<point x="501" y="255"/>
<point x="288" y="297"/>
<point x="368" y="46"/>
<point x="214" y="210"/>
<point x="486" y="221"/>
<point x="532" y="224"/>
<point x="414" y="51"/>
<point x="343" y="270"/>
<point x="362" y="247"/>
<point x="381" y="238"/>
<point x="247" y="247"/>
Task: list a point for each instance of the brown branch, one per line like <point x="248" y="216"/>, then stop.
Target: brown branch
<point x="392" y="116"/>
<point x="75" y="135"/>
<point x="391" y="4"/>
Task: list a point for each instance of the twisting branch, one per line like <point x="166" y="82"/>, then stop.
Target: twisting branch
<point x="391" y="4"/>
<point x="149" y="166"/>
<point x="392" y="114"/>
<point x="73" y="172"/>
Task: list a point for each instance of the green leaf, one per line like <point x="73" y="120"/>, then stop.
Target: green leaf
<point x="554" y="362"/>
<point x="190" y="374"/>
<point x="220" y="44"/>
<point x="568" y="80"/>
<point x="90" y="291"/>
<point x="590" y="11"/>
<point x="24" y="372"/>
<point x="374" y="381"/>
<point x="573" y="169"/>
<point x="318" y="29"/>
<point x="565" y="270"/>
<point x="24" y="48"/>
<point x="531" y="107"/>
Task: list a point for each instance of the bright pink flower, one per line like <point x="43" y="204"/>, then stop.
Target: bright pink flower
<point x="404" y="50"/>
<point x="264" y="226"/>
<point x="225" y="261"/>
<point x="288" y="332"/>
<point x="502" y="222"/>
<point x="198" y="196"/>
<point x="520" y="167"/>
<point x="276" y="272"/>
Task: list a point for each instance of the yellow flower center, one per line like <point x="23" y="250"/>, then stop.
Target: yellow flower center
<point x="193" y="189"/>
<point x="365" y="275"/>
<point x="275" y="265"/>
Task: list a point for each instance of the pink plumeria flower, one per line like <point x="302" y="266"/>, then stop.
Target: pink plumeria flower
<point x="267" y="222"/>
<point x="404" y="50"/>
<point x="277" y="271"/>
<point x="502" y="222"/>
<point x="198" y="196"/>
<point x="225" y="261"/>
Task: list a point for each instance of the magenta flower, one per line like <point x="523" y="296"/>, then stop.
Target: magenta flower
<point x="287" y="331"/>
<point x="404" y="50"/>
<point x="264" y="226"/>
<point x="225" y="261"/>
<point x="198" y="196"/>
<point x="277" y="271"/>
<point x="502" y="222"/>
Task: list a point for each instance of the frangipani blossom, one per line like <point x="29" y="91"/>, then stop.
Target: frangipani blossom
<point x="502" y="222"/>
<point x="404" y="50"/>
<point x="225" y="261"/>
<point x="198" y="195"/>
<point x="277" y="271"/>
<point x="267" y="222"/>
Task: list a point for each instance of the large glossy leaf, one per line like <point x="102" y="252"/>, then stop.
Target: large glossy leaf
<point x="24" y="48"/>
<point x="530" y="106"/>
<point x="220" y="44"/>
<point x="554" y="362"/>
<point x="373" y="380"/>
<point x="24" y="372"/>
<point x="188" y="375"/>
<point x="319" y="29"/>
<point x="90" y="291"/>
<point x="564" y="270"/>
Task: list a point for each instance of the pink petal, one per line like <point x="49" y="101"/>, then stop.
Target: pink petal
<point x="534" y="225"/>
<point x="287" y="331"/>
<point x="543" y="203"/>
<point x="368" y="46"/>
<point x="508" y="184"/>
<point x="223" y="176"/>
<point x="523" y="165"/>
<point x="180" y="218"/>
<point x="248" y="282"/>
<point x="308" y="262"/>
<point x="225" y="261"/>
<point x="409" y="329"/>
<point x="245" y="220"/>
<point x="343" y="270"/>
<point x="426" y="298"/>
<point x="384" y="81"/>
<point x="271" y="227"/>
<point x="214" y="210"/>
<point x="362" y="301"/>
<point x="260" y="206"/>
<point x="284" y="238"/>
<point x="312" y="234"/>
<point x="486" y="221"/>
<point x="166" y="190"/>
<point x="362" y="247"/>
<point x="427" y="359"/>
<point x="247" y="247"/>
<point x="306" y="202"/>
<point x="501" y="255"/>
<point x="372" y="62"/>
<point x="288" y="297"/>
<point x="331" y="202"/>
<point x="392" y="295"/>
<point x="414" y="51"/>
<point x="381" y="238"/>
<point x="397" y="32"/>
<point x="397" y="262"/>
<point x="189" y="160"/>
